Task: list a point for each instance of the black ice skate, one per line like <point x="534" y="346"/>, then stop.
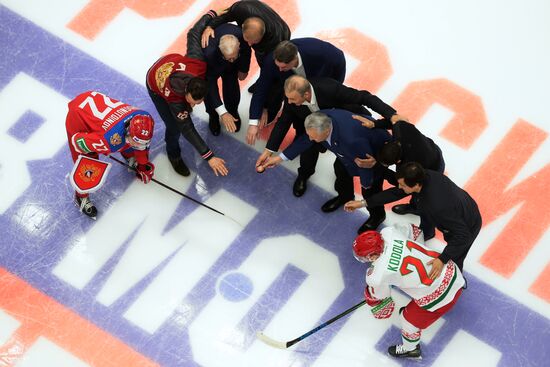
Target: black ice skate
<point x="86" y="206"/>
<point x="398" y="352"/>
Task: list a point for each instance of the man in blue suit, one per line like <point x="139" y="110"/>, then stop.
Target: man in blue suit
<point x="228" y="57"/>
<point x="308" y="57"/>
<point x="343" y="135"/>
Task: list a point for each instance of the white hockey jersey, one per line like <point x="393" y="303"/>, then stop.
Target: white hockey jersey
<point x="403" y="264"/>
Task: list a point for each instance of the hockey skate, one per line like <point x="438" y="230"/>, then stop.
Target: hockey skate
<point x="86" y="206"/>
<point x="398" y="352"/>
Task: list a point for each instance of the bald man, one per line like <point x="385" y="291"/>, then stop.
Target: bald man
<point x="262" y="27"/>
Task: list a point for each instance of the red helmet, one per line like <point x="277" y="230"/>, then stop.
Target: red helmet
<point x="366" y="244"/>
<point x="140" y="129"/>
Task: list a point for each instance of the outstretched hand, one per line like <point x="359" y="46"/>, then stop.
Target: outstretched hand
<point x="263" y="157"/>
<point x="353" y="205"/>
<point x="218" y="166"/>
<point x="272" y="162"/>
<point x="228" y="121"/>
<point x="251" y="134"/>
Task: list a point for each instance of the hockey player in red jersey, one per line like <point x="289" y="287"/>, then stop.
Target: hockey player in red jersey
<point x="176" y="84"/>
<point x="399" y="259"/>
<point x="97" y="124"/>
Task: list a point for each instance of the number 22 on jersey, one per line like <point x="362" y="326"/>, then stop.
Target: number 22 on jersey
<point x="100" y="105"/>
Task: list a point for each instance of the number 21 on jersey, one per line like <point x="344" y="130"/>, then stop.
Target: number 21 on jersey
<point x="416" y="263"/>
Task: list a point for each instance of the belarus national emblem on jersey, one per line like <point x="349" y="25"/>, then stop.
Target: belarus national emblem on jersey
<point x="163" y="72"/>
<point x="116" y="139"/>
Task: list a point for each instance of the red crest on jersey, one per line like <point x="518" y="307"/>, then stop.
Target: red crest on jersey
<point x="88" y="174"/>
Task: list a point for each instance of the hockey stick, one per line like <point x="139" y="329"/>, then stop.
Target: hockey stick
<point x="174" y="190"/>
<point x="284" y="345"/>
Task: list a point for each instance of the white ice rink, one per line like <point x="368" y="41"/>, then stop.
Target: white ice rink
<point x="160" y="281"/>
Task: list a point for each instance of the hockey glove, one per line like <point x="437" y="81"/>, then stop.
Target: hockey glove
<point x="145" y="172"/>
<point x="380" y="308"/>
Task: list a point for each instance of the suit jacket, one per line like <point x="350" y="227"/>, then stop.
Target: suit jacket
<point x="452" y="210"/>
<point x="348" y="140"/>
<point x="276" y="30"/>
<point x="330" y="94"/>
<point x="218" y="66"/>
<point x="416" y="147"/>
<point x="320" y="59"/>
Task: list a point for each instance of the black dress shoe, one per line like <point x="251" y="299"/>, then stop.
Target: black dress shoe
<point x="333" y="204"/>
<point x="372" y="223"/>
<point x="214" y="125"/>
<point x="300" y="186"/>
<point x="179" y="166"/>
<point x="402" y="209"/>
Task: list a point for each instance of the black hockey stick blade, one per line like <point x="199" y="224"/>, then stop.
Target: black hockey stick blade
<point x="284" y="345"/>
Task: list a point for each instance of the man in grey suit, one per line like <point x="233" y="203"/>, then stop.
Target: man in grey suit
<point x="339" y="132"/>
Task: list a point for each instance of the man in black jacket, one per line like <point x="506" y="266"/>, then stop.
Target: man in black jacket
<point x="262" y="27"/>
<point x="445" y="206"/>
<point x="409" y="145"/>
<point x="228" y="57"/>
<point x="304" y="97"/>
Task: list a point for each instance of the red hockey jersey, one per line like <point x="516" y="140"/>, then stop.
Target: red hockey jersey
<point x="97" y="124"/>
<point x="159" y="73"/>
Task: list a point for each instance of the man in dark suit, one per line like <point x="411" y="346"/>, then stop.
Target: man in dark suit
<point x="307" y="57"/>
<point x="304" y="97"/>
<point x="409" y="145"/>
<point x="337" y="131"/>
<point x="262" y="27"/>
<point x="228" y="57"/>
<point x="445" y="206"/>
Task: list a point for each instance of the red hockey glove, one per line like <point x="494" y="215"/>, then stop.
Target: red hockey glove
<point x="371" y="300"/>
<point x="145" y="172"/>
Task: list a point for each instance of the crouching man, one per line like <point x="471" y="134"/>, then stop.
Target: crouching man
<point x="398" y="258"/>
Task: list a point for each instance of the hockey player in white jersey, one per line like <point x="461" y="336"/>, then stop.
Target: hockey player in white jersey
<point x="398" y="258"/>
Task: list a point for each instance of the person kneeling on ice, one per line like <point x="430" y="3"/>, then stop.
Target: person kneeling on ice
<point x="97" y="124"/>
<point x="398" y="258"/>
